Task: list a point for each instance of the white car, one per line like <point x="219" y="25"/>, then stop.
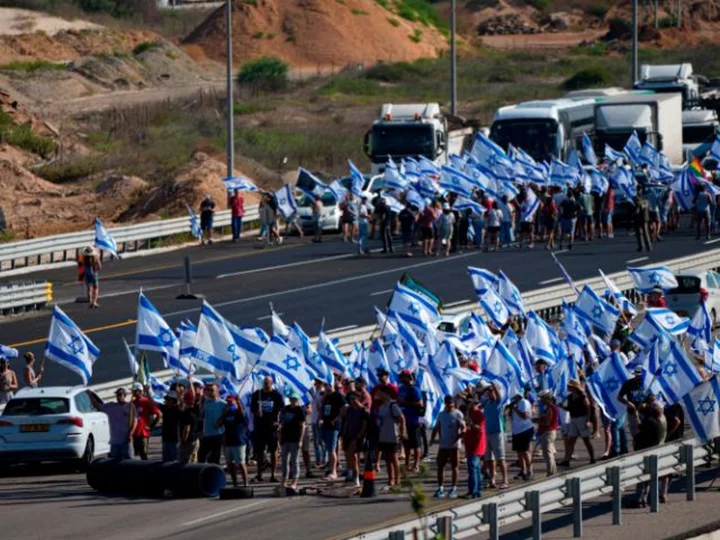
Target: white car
<point x="454" y="324"/>
<point x="53" y="424"/>
<point x="692" y="287"/>
<point x="329" y="216"/>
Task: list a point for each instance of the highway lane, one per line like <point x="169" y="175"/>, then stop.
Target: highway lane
<point x="305" y="283"/>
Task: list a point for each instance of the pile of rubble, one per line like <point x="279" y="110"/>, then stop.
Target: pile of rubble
<point x="508" y="24"/>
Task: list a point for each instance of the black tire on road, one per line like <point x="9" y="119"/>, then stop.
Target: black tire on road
<point x="88" y="456"/>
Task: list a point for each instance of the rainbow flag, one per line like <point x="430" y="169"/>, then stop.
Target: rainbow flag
<point x="697" y="169"/>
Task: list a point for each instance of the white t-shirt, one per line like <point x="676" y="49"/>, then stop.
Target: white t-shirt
<point x="494" y="216"/>
<point x="520" y="424"/>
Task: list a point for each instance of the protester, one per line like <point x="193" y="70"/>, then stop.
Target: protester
<point x="149" y="415"/>
<point x="569" y="210"/>
<point x="548" y="428"/>
<point x="190" y="424"/>
<point x="122" y="420"/>
<point x="493" y="219"/>
<point x="411" y="404"/>
<point x="650" y="434"/>
<point x="578" y="405"/>
<point x="91" y="276"/>
<point x="675" y="419"/>
<point x="8" y="381"/>
<point x="307" y="441"/>
<point x="474" y="442"/>
<point x="317" y="394"/>
<point x="170" y="429"/>
<point x="317" y="208"/>
<point x="207" y="214"/>
<point x="426" y="223"/>
<point x="212" y="429"/>
<point x="445" y="226"/>
<point x="632" y="395"/>
<point x="407" y="219"/>
<point x="522" y="435"/>
<point x="608" y="210"/>
<point x="450" y="426"/>
<point x="656" y="298"/>
<point x="333" y="404"/>
<point x="495" y="436"/>
<point x="703" y="209"/>
<point x="347" y="217"/>
<point x="265" y="406"/>
<point x="641" y="219"/>
<point x="292" y="431"/>
<point x="354" y="429"/>
<point x="391" y="430"/>
<point x="549" y="214"/>
<point x="363" y="211"/>
<point x="364" y="397"/>
<point x="31" y="378"/>
<point x="385" y="214"/>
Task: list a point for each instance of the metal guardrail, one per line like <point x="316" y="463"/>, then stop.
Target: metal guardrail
<point x="63" y="247"/>
<point x="18" y="297"/>
<point x="567" y="490"/>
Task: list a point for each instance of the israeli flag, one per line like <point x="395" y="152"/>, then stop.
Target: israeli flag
<point x="510" y="294"/>
<point x="666" y="321"/>
<point x="702" y="409"/>
<point x="486" y="151"/>
<point x="215" y="349"/>
<point x="701" y="324"/>
<point x="393" y="204"/>
<point x="539" y="339"/>
<point x="598" y="182"/>
<point x="463" y="203"/>
<point x="613" y="155"/>
<point x="482" y="279"/>
<point x="530" y="205"/>
<point x="455" y="181"/>
<point x="588" y="150"/>
<point x="715" y="149"/>
<point x="309" y="184"/>
<point x="562" y="174"/>
<point x="299" y="342"/>
<point x="152" y="333"/>
<point x="576" y="337"/>
<point x="330" y="354"/>
<point x="712" y="358"/>
<point x="103" y="240"/>
<point x="69" y="347"/>
<point x="621" y="301"/>
<point x="240" y="183"/>
<point x="250" y="341"/>
<point x="413" y="197"/>
<point x="632" y="148"/>
<point x="432" y="394"/>
<point x="413" y="348"/>
<point x="684" y="190"/>
<point x="286" y="201"/>
<point x="187" y="334"/>
<point x="376" y="359"/>
<point x="458" y="379"/>
<point x="445" y="357"/>
<point x="595" y="310"/>
<point x="624" y="180"/>
<point x="562" y="373"/>
<point x="504" y="368"/>
<point x="647" y="278"/>
<point x="288" y="368"/>
<point x="678" y="374"/>
<point x="388" y="328"/>
<point x="649" y="156"/>
<point x="520" y="350"/>
<point x="8" y="352"/>
<point x="604" y="385"/>
<point x="278" y="326"/>
<point x="494" y="306"/>
<point x="195" y="229"/>
<point x="338" y="190"/>
<point x="358" y="361"/>
<point x="392" y="177"/>
<point x="358" y="180"/>
<point x="132" y="361"/>
<point x="412" y="307"/>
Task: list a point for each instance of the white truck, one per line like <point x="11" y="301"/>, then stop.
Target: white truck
<point x="545" y="128"/>
<point x="412" y="130"/>
<point x="655" y="117"/>
<point x="671" y="78"/>
<point x="699" y="126"/>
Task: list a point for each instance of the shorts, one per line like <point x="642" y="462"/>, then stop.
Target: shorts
<point x="387" y="448"/>
<point x="526" y="227"/>
<point x="493" y="230"/>
<point x="578" y="427"/>
<point x="235" y="454"/>
<point x="521" y="441"/>
<point x="206" y="224"/>
<point x="330" y="438"/>
<point x="426" y="233"/>
<point x="448" y="455"/>
<point x="495" y="448"/>
<point x="414" y="438"/>
<point x="654" y="217"/>
<point x="305" y="445"/>
<point x="189" y="451"/>
<point x="568" y="226"/>
<point x="265" y="441"/>
<point x="550" y="224"/>
<point x="407" y="237"/>
<point x="91" y="280"/>
<point x="347" y="441"/>
<point x="606" y="218"/>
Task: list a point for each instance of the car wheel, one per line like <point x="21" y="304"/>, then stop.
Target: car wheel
<point x="88" y="456"/>
<point x="713" y="318"/>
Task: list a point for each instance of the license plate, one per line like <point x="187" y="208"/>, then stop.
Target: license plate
<point x="34" y="428"/>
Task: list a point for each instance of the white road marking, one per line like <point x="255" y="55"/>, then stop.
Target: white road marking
<point x="136" y="291"/>
<point x="711" y="241"/>
<point x="269" y="316"/>
<point x="289" y="265"/>
<point x="453" y="304"/>
<point x="639" y="259"/>
<point x="549" y="281"/>
<point x="225" y="512"/>
<point x="349" y="327"/>
<point x="381" y="292"/>
<point x="561" y="251"/>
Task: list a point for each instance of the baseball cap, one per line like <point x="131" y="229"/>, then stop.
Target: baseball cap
<point x="121" y="390"/>
<point x="406" y="373"/>
<point x="137" y="386"/>
<point x="545" y="393"/>
<point x="382" y="370"/>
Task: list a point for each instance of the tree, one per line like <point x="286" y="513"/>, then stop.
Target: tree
<point x="264" y="73"/>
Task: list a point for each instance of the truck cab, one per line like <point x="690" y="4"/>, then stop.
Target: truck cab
<point x="407" y="131"/>
<point x="673" y="78"/>
<point x="698" y="126"/>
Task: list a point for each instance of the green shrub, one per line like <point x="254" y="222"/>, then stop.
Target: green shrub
<point x="416" y="36"/>
<point x="250" y="2"/>
<point x="258" y="35"/>
<point x="31" y="66"/>
<point x="23" y="137"/>
<point x="588" y="78"/>
<point x="419" y="11"/>
<point x="146" y="46"/>
<point x="393" y="21"/>
<point x="265" y="73"/>
<point x="599" y="48"/>
<point x="619" y="28"/>
<point x="359" y="12"/>
<point x="383" y="3"/>
<point x="667" y="22"/>
<point x="70" y="171"/>
<point x="249" y="107"/>
<point x="539" y="4"/>
<point x="97" y="6"/>
<point x="598" y="10"/>
<point x="354" y="86"/>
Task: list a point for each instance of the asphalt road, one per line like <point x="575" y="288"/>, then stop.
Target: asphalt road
<point x="306" y="282"/>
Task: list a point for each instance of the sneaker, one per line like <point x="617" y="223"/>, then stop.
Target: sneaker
<point x="439" y="493"/>
<point x="357" y="482"/>
<point x="453" y="494"/>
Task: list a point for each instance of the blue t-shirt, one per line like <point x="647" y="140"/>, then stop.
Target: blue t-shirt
<point x="212" y="411"/>
<point x="493" y="417"/>
<point x="412" y="413"/>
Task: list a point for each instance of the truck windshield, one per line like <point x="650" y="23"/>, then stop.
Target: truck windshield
<point x="536" y="137"/>
<point x="402" y="141"/>
<point x="698" y="134"/>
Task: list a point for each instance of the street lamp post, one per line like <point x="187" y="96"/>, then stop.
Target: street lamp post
<point x="453" y="62"/>
<point x="229" y="91"/>
<point x="634" y="42"/>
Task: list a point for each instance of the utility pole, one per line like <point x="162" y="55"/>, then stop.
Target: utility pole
<point x="634" y="42"/>
<point x="229" y="90"/>
<point x="453" y="61"/>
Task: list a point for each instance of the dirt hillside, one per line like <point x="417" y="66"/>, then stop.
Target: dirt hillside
<point x="309" y="33"/>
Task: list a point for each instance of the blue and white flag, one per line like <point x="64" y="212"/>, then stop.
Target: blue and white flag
<point x="653" y="276"/>
<point x="358" y="361"/>
<point x="502" y="367"/>
<point x="132" y="361"/>
<point x="701" y="325"/>
<point x="445" y="357"/>
<point x="195" y="228"/>
<point x="393" y="204"/>
<point x="187" y="332"/>
<point x="658" y="322"/>
<point x="69" y="347"/>
<point x="651" y="157"/>
<point x="576" y="335"/>
<point x="588" y="150"/>
<point x="562" y="373"/>
<point x="309" y="184"/>
<point x="712" y="358"/>
<point x="539" y="339"/>
<point x="300" y="343"/>
<point x="632" y="148"/>
<point x="330" y="354"/>
<point x="613" y="155"/>
<point x="376" y="359"/>
<point x="152" y="333"/>
<point x="623" y="180"/>
<point x="413" y="350"/>
<point x="455" y="181"/>
<point x="684" y="190"/>
<point x="520" y="350"/>
<point x="392" y="177"/>
<point x="432" y="394"/>
<point x="702" y="409"/>
<point x="510" y="294"/>
<point x="250" y="341"/>
<point x="8" y="352"/>
<point x="240" y="183"/>
<point x="215" y="349"/>
<point x="463" y="203"/>
<point x="621" y="301"/>
<point x="338" y="190"/>
<point x="598" y="181"/>
<point x="494" y="306"/>
<point x="604" y="384"/>
<point x="278" y="326"/>
<point x="565" y="274"/>
<point x="529" y="206"/>
<point x="288" y="368"/>
<point x="597" y="311"/>
<point x="485" y="151"/>
<point x="413" y="197"/>
<point x="677" y="376"/>
<point x="413" y="307"/>
<point x="103" y="240"/>
<point x="482" y="279"/>
<point x="357" y="182"/>
<point x="286" y="201"/>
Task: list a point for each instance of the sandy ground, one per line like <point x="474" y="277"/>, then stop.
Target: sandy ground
<point x="560" y="40"/>
<point x="14" y="22"/>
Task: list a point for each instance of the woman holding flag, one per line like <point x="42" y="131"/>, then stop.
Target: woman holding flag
<point x="91" y="269"/>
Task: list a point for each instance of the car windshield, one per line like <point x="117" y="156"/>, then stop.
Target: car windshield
<point x="328" y="199"/>
<point x="686" y="285"/>
<point x="536" y="137"/>
<point x="698" y="134"/>
<point x="36" y="406"/>
<point x="403" y="140"/>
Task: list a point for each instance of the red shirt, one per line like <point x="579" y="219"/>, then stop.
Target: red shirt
<point x="475" y="439"/>
<point x="552" y="410"/>
<point x="660" y="302"/>
<point x="146" y="409"/>
<point x="376" y="403"/>
<point x="237" y="205"/>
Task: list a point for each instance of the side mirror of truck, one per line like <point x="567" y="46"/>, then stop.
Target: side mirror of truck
<point x="441" y="142"/>
<point x="366" y="144"/>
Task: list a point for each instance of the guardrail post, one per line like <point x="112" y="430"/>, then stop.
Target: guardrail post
<point x="613" y="478"/>
<point x="444" y="527"/>
<point x="532" y="500"/>
<point x="651" y="465"/>
<point x="188" y="294"/>
<point x="574" y="489"/>
<point x="490" y="516"/>
<point x="688" y="457"/>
